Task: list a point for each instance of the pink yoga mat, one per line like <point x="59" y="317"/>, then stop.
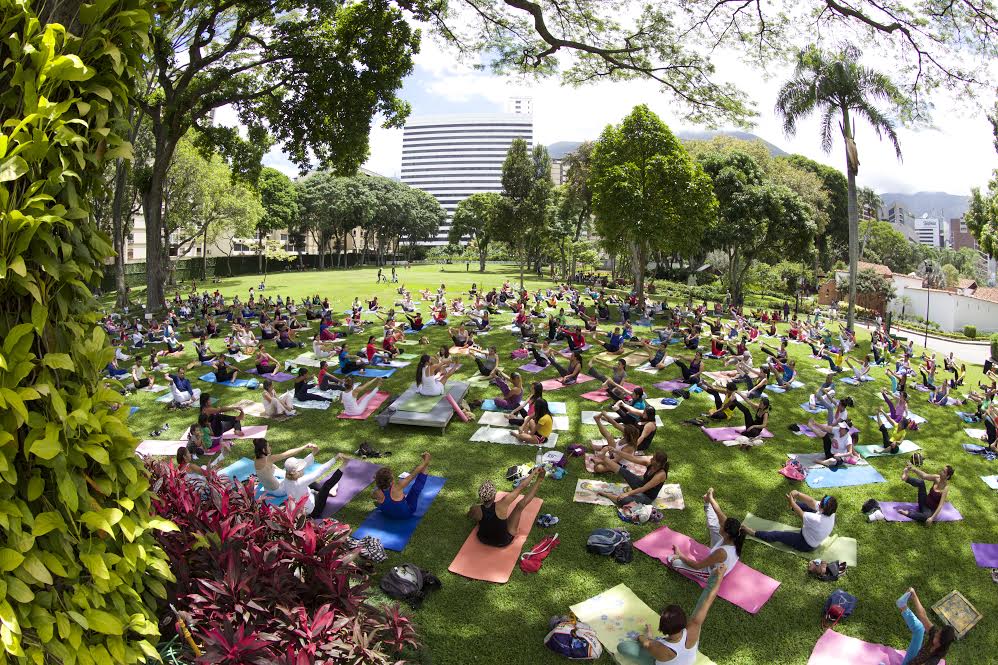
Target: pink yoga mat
<point x="986" y="555"/>
<point x="532" y="368"/>
<point x="890" y="509"/>
<point x="743" y="586"/>
<point x="357" y="475"/>
<point x="729" y="433"/>
<point x="555" y="384"/>
<point x="372" y="406"/>
<point x="811" y="434"/>
<point x="602" y="396"/>
<point x="494" y="564"/>
<point x="837" y="649"/>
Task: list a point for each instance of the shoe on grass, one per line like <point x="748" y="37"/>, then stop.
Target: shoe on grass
<point x="547" y="519"/>
<point x="877" y="516"/>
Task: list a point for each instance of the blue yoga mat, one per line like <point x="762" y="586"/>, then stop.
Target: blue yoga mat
<point x="243" y="468"/>
<point x="490" y="405"/>
<point x="395" y="534"/>
<point x="558" y="408"/>
<point x="237" y="383"/>
<point x="132" y="410"/>
<point x="843" y="476"/>
<point x="370" y="372"/>
<point x="816" y="410"/>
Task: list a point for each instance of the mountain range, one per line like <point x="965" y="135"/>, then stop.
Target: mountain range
<point x="931" y="204"/>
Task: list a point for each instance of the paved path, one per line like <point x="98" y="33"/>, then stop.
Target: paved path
<point x="967" y="352"/>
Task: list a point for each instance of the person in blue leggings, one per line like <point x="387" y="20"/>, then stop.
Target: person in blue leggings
<point x="390" y="495"/>
<point x="928" y="643"/>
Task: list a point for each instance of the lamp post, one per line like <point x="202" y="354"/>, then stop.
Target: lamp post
<point x="928" y="293"/>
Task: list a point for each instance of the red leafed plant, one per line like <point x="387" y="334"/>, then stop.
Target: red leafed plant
<point x="258" y="583"/>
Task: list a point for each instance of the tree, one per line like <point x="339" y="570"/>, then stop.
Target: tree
<point x="311" y="72"/>
<point x="82" y="570"/>
<point x="869" y="203"/>
<point x="870" y="282"/>
<point x="526" y="189"/>
<point x="476" y="217"/>
<point x="882" y="243"/>
<point x="280" y="206"/>
<point x="835" y="83"/>
<point x="952" y="275"/>
<point x="577" y="203"/>
<point x="648" y="192"/>
<point x="833" y="240"/>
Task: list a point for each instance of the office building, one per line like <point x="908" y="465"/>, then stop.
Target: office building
<point x="960" y="235"/>
<point x="455" y="156"/>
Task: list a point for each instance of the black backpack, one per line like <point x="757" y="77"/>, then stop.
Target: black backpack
<point x="410" y="583"/>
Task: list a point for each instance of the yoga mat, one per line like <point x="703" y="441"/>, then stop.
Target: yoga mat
<point x="637" y="358"/>
<point x="379" y="398"/>
<point x="616" y="615"/>
<point x="395" y="534"/>
<point x="588" y="417"/>
<point x="357" y="475"/>
<point x="159" y="447"/>
<point x="855" y="382"/>
<point x="817" y="409"/>
<point x="557" y="408"/>
<point x="660" y="405"/>
<point x="837" y="649"/>
<point x="419" y="403"/>
<point x="555" y="384"/>
<point x="913" y="417"/>
<point x="991" y="481"/>
<point x="835" y="548"/>
<point x="670" y="496"/>
<point x="811" y="434"/>
<point x="532" y="368"/>
<point x="278" y="377"/>
<point x="370" y="372"/>
<point x="843" y="476"/>
<point x="307" y="359"/>
<point x="158" y="388"/>
<point x="810" y="460"/>
<point x="823" y="370"/>
<point x="243" y="468"/>
<point x="488" y="434"/>
<point x="498" y="419"/>
<point x="408" y="356"/>
<point x="890" y="509"/>
<point x="238" y="357"/>
<point x="878" y="451"/>
<point x="743" y="585"/>
<point x="236" y="383"/>
<point x="976" y="434"/>
<point x="986" y="555"/>
<point x="669" y="386"/>
<point x="314" y="404"/>
<point x="729" y="433"/>
<point x="478" y="561"/>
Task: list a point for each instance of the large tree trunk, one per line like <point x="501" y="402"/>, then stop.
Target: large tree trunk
<point x="157" y="260"/>
<point x="483" y="253"/>
<point x="118" y="232"/>
<point x="639" y="258"/>
<point x="852" y="168"/>
<point x="204" y="255"/>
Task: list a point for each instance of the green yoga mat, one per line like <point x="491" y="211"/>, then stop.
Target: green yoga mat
<point x="420" y="403"/>
<point x="877" y="451"/>
<point x="835" y="548"/>
<point x="408" y="356"/>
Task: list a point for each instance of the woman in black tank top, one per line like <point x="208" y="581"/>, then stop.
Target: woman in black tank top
<point x="492" y="530"/>
<point x="497" y="531"/>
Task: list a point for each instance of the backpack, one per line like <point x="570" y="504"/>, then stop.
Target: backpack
<point x="606" y="541"/>
<point x="572" y="639"/>
<point x="410" y="583"/>
<point x="531" y="560"/>
<point x="793" y="470"/>
<point x="840" y="605"/>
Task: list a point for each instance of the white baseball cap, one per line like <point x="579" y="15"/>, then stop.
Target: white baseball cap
<point x="294" y="465"/>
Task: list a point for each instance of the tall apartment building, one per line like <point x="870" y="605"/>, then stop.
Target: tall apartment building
<point x="960" y="235"/>
<point x="455" y="156"/>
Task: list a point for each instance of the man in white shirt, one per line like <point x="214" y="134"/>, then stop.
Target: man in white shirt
<point x="818" y="518"/>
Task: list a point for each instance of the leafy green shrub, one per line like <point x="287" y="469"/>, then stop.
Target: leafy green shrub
<point x="81" y="567"/>
<point x="994" y="345"/>
<point x="970" y="332"/>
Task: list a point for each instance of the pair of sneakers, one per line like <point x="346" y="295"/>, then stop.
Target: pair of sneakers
<point x="547" y="519"/>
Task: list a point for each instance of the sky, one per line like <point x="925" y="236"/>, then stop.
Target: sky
<point x="953" y="155"/>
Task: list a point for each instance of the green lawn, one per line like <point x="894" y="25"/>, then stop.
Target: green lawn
<point x="475" y="622"/>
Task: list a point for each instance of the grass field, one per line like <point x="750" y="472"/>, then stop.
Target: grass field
<point x="476" y="622"/>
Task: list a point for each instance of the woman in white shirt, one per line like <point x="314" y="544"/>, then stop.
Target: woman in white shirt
<point x="819" y="522"/>
<point x="726" y="541"/>
<point x="298" y="485"/>
<point x="139" y="377"/>
<point x="432" y="374"/>
<point x="354" y="404"/>
<point x="264" y="462"/>
<point x="276" y="406"/>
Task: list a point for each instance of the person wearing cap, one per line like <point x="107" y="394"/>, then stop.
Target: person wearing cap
<point x="818" y="523"/>
<point x="391" y="497"/>
<point x="298" y="485"/>
<point x="838" y="443"/>
<point x="264" y="462"/>
<point x="498" y="521"/>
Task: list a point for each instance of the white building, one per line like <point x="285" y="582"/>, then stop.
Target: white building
<point x="455" y="156"/>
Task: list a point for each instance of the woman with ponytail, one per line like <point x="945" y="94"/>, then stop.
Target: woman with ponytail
<point x="643" y="488"/>
<point x="431" y="375"/>
<point x="726" y="540"/>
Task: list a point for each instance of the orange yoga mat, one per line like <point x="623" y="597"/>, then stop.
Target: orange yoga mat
<point x="495" y="564"/>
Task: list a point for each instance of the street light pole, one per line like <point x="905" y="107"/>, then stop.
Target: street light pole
<point x="928" y="293"/>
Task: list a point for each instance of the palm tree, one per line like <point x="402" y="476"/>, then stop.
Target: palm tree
<point x="836" y="84"/>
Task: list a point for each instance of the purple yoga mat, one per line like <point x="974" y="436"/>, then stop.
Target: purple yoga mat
<point x="890" y="510"/>
<point x="357" y="475"/>
<point x="986" y="555"/>
<point x="811" y="434"/>
<point x="671" y="385"/>
<point x="533" y="368"/>
<point x="278" y="377"/>
<point x="729" y="433"/>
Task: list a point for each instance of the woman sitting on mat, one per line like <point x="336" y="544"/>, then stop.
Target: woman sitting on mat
<point x="929" y="643"/>
<point x="390" y="496"/>
<point x="644" y="488"/>
<point x="726" y="540"/>
<point x="432" y="375"/>
<point x="626" y="442"/>
<point x="303" y="385"/>
<point x="354" y="400"/>
<point x="892" y="431"/>
<point x="931" y="502"/>
<point x="264" y="462"/>
<point x="265" y="363"/>
<point x="569" y="375"/>
<point x="349" y="363"/>
<point x="818" y="523"/>
<point x="681" y="643"/>
<point x="298" y="485"/>
<point x="460" y="336"/>
<point x="326" y="380"/>
<point x="646" y="428"/>
<point x="222" y="419"/>
<point x="537" y="427"/>
<point x="488" y="364"/>
<point x="139" y="377"/>
<point x="223" y="371"/>
<point x="756" y="415"/>
<point x="660" y="358"/>
<point x="632" y="413"/>
<point x="498" y="521"/>
<point x="511" y="389"/>
<point x="613" y="385"/>
<point x="838" y="443"/>
<point x="322" y="348"/>
<point x="277" y="406"/>
<point x="724" y="402"/>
